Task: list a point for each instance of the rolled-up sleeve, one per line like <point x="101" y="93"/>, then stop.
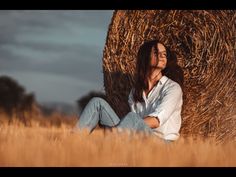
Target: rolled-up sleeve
<point x="171" y="98"/>
<point x="131" y="102"/>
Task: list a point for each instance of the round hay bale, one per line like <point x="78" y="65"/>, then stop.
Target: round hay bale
<point x="205" y="44"/>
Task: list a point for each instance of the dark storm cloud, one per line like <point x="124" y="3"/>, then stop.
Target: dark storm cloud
<point x="61" y="48"/>
<point x="13" y="22"/>
<point x="73" y="60"/>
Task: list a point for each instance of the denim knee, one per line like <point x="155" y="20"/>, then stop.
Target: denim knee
<point x="97" y="99"/>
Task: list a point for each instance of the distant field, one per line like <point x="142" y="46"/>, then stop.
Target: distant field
<point x="57" y="146"/>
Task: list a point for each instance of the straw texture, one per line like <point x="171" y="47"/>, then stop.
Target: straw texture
<point x="205" y="44"/>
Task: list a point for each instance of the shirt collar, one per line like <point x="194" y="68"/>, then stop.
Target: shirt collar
<point x="163" y="80"/>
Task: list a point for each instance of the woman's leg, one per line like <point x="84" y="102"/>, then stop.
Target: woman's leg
<point x="97" y="110"/>
<point x="134" y="122"/>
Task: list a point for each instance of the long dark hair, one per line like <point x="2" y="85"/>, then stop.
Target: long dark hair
<point x="143" y="67"/>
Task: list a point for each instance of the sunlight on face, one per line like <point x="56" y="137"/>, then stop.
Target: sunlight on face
<point x="160" y="57"/>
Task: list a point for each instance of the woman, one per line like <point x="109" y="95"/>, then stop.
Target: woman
<point x="155" y="100"/>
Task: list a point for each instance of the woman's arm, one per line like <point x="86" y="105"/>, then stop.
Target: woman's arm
<point x="163" y="111"/>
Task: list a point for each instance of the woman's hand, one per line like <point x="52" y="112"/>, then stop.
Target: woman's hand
<point x="152" y="122"/>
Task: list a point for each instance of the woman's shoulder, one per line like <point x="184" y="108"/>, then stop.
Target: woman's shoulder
<point x="173" y="84"/>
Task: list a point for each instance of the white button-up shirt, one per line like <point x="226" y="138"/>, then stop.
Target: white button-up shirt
<point x="165" y="102"/>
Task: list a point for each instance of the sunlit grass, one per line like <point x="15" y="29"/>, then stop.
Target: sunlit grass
<point x="57" y="146"/>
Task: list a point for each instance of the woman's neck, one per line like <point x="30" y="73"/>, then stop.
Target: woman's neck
<point x="154" y="77"/>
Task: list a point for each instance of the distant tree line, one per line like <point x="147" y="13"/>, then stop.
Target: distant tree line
<point x="14" y="99"/>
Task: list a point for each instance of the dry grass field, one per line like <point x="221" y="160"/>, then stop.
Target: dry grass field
<point x="56" y="146"/>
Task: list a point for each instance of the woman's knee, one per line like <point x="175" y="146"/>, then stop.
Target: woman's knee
<point x="98" y="100"/>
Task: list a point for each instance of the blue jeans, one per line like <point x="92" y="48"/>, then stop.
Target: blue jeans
<point x="99" y="111"/>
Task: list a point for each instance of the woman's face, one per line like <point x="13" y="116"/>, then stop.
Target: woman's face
<point x="160" y="57"/>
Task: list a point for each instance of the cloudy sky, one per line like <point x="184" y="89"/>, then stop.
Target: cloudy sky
<point x="55" y="54"/>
